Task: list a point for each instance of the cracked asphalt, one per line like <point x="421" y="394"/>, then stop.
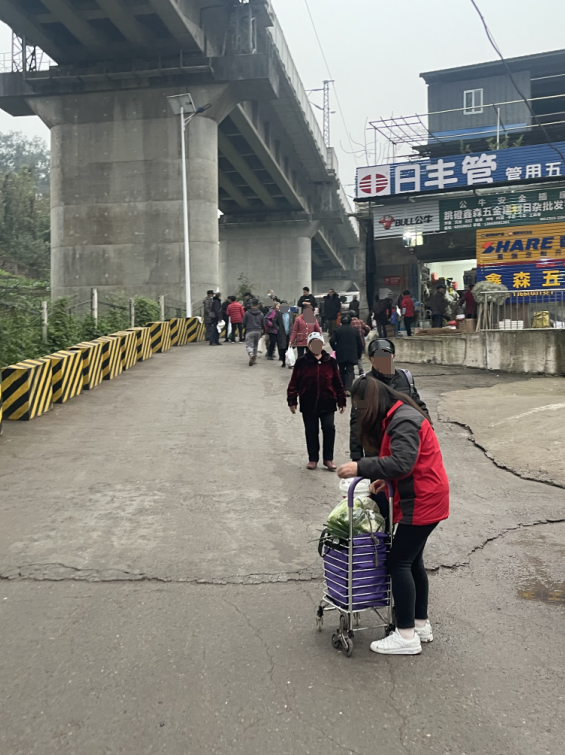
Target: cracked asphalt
<point x="159" y="579"/>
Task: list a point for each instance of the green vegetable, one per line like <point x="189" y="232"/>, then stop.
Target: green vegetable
<point x="365" y="519"/>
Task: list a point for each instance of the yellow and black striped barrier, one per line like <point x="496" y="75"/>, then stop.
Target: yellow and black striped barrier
<point x="111" y="357"/>
<point x="67" y="375"/>
<point x="143" y="343"/>
<point x="196" y="330"/>
<point x="91" y="363"/>
<point x="179" y="329"/>
<point x="128" y="347"/>
<point x="27" y="389"/>
<point x="160" y="336"/>
<point x="1" y="412"/>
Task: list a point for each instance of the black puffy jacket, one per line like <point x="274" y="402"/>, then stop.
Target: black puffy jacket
<point x="398" y="382"/>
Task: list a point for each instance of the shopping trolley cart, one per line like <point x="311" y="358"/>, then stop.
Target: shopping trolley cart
<point x="356" y="578"/>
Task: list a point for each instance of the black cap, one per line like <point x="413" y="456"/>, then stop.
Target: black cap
<point x="381" y="344"/>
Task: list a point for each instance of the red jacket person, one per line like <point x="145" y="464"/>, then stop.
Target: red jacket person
<point x="409" y="456"/>
<point x="316" y="382"/>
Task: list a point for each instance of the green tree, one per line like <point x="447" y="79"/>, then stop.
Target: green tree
<point x="24" y="221"/>
<point x="17" y="151"/>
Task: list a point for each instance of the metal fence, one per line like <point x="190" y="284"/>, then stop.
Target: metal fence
<point x="513" y="310"/>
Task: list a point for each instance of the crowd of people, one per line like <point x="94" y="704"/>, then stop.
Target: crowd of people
<point x="391" y="436"/>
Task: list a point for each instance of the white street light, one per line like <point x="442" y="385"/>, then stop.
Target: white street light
<point x="183" y="105"/>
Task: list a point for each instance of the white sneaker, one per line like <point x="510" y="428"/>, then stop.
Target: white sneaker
<point x="395" y="644"/>
<point x="425" y="633"/>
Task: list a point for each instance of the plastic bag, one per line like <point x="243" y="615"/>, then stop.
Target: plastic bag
<point x="365" y="519"/>
<point x="361" y="489"/>
<point x="262" y="345"/>
<point x="541" y="320"/>
<point x="290" y="358"/>
<point x="220" y="326"/>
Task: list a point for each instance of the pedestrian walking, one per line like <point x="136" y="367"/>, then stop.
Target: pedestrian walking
<point x="235" y="312"/>
<point x="438" y="305"/>
<point x="346" y="343"/>
<point x="407" y="309"/>
<point x="383" y="313"/>
<point x="272" y="330"/>
<point x="470" y="303"/>
<point x="363" y="331"/>
<point x="304" y="325"/>
<point x="332" y="307"/>
<point x="354" y="306"/>
<point x="407" y="453"/>
<point x="253" y="324"/>
<point x="284" y="322"/>
<point x="225" y="318"/>
<point x="207" y="310"/>
<point x="247" y="299"/>
<point x="307" y="296"/>
<point x="316" y="383"/>
<point x="215" y="318"/>
<point x="381" y="356"/>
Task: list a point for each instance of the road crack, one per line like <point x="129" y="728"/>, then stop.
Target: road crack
<point x="540" y="477"/>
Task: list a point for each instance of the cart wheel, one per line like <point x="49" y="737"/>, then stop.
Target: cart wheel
<point x="336" y="641"/>
<point x="347" y="646"/>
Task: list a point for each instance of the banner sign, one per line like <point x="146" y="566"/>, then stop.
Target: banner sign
<point x="392" y="280"/>
<point x="460" y="171"/>
<point x="502" y="209"/>
<point x="397" y="219"/>
<point x="526" y="243"/>
<point x="530" y="276"/>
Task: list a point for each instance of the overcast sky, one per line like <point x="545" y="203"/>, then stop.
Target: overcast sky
<point x="376" y="50"/>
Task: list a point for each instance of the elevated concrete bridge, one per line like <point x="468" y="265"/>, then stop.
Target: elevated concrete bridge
<point x="257" y="156"/>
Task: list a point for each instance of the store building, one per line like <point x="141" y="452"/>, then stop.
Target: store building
<point x="480" y="178"/>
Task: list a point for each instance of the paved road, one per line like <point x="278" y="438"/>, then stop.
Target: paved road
<point x="159" y="580"/>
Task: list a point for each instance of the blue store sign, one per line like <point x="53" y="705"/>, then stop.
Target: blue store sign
<point x="461" y="171"/>
<point x="523" y="277"/>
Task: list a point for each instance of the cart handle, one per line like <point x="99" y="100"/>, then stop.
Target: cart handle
<point x="356" y="481"/>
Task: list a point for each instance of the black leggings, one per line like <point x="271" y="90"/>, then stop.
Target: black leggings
<point x="409" y="577"/>
<point x="311" y="426"/>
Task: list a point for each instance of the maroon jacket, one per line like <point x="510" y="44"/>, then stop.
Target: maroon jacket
<point x="410" y="458"/>
<point x="318" y="384"/>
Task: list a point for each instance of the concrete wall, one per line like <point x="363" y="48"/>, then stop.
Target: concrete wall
<point x="277" y="256"/>
<point x="116" y="194"/>
<point x="527" y="351"/>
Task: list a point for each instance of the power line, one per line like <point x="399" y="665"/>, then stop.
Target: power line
<point x="331" y="77"/>
<point x="513" y="80"/>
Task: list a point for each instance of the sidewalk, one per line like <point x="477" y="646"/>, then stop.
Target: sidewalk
<point x="519" y="425"/>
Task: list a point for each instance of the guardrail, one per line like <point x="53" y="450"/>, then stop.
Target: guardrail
<point x="521" y="310"/>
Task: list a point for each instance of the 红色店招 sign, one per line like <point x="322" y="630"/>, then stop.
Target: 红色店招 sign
<point x="527" y="276"/>
<point x="397" y="219"/>
<point x="544" y="206"/>
<point x="537" y="161"/>
<point x="392" y="280"/>
<point x="525" y="243"/>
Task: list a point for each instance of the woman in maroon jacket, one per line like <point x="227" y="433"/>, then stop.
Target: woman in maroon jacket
<point x="315" y="379"/>
<point x="410" y="457"/>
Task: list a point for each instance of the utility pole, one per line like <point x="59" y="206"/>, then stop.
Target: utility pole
<point x="325" y="109"/>
<point x="327" y="112"/>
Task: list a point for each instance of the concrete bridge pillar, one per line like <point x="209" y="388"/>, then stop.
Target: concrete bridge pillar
<point x="116" y="192"/>
<point x="271" y="255"/>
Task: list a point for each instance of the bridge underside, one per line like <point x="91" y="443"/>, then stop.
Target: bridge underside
<point x="116" y="184"/>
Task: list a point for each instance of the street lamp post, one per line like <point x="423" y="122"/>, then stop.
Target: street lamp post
<point x="183" y="105"/>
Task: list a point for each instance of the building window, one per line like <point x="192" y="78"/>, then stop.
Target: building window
<point x="472" y="101"/>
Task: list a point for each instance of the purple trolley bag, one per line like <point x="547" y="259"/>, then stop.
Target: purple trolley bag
<point x="356" y="578"/>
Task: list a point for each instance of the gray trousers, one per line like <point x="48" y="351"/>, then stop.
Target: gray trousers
<point x="251" y="341"/>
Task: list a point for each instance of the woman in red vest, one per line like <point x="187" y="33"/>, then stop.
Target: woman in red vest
<point x="393" y="426"/>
